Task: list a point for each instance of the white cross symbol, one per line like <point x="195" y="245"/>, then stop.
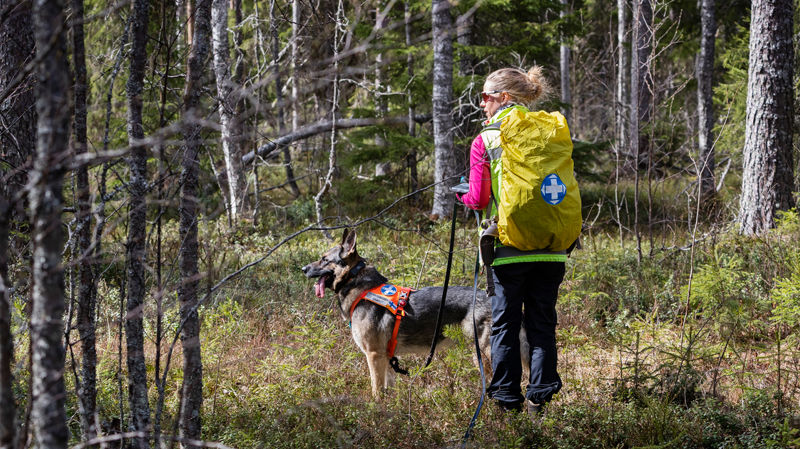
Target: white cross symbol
<point x="553" y="189"/>
<point x="388" y="290"/>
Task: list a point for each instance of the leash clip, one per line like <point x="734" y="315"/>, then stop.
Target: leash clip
<point x="395" y="364"/>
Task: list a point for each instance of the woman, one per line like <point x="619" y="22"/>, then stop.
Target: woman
<point x="526" y="281"/>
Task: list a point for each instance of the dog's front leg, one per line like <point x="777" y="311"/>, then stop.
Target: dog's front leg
<point x="378" y="371"/>
<point x="389" y="377"/>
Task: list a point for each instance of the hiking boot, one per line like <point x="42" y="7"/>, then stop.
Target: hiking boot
<point x="509" y="406"/>
<point x="535" y="411"/>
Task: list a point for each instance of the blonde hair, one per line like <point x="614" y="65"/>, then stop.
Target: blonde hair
<point x="524" y="88"/>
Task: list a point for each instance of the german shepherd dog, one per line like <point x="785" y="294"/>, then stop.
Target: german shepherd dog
<point x="372" y="325"/>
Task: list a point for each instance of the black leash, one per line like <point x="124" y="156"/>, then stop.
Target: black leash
<point x="468" y="433"/>
<point x="439" y="319"/>
<point x="440" y="316"/>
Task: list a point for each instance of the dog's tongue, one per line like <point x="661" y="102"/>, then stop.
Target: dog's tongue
<point x="319" y="287"/>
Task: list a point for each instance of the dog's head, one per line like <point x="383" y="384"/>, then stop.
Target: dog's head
<point x="334" y="266"/>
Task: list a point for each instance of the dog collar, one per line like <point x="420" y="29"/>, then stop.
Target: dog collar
<point x="357" y="269"/>
<point x="353" y="273"/>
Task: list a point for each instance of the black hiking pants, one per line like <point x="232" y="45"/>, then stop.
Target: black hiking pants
<point x="525" y="294"/>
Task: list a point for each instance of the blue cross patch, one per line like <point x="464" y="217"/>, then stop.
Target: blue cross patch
<point x="553" y="189"/>
<point x="388" y="290"/>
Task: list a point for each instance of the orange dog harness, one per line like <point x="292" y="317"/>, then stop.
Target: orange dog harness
<point x="393" y="298"/>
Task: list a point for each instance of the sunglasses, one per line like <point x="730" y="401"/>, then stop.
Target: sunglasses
<point x="485" y="95"/>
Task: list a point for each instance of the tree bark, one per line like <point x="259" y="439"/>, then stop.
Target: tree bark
<point x="137" y="229"/>
<point x="17" y="141"/>
<point x="705" y="98"/>
<point x="768" y="178"/>
<point x="86" y="305"/>
<point x="17" y="111"/>
<point x="45" y="187"/>
<point x="226" y="103"/>
<point x="192" y="389"/>
<point x="446" y="164"/>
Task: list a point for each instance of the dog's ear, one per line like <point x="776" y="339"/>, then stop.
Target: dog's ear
<point x="348" y="243"/>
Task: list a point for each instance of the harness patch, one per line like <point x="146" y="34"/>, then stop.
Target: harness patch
<point x="392" y="298"/>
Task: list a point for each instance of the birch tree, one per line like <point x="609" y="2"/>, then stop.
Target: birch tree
<point x="705" y="98"/>
<point x="45" y="186"/>
<point x="446" y="165"/>
<point x="137" y="228"/>
<point x="226" y="104"/>
<point x="280" y="104"/>
<point x="192" y="388"/>
<point x="767" y="177"/>
<point x="623" y="74"/>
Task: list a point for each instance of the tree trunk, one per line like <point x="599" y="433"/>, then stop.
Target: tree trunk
<point x="18" y="132"/>
<point x="7" y="426"/>
<point x="226" y="101"/>
<point x="382" y="168"/>
<point x="621" y="105"/>
<point x="767" y="178"/>
<point x="86" y="305"/>
<point x="566" y="93"/>
<point x="464" y="24"/>
<point x="446" y="164"/>
<point x="17" y="140"/>
<point x="644" y="92"/>
<point x="280" y="104"/>
<point x="412" y="152"/>
<point x="634" y="122"/>
<point x="192" y="389"/>
<point x="47" y="326"/>
<point x="137" y="229"/>
<point x="326" y="182"/>
<point x="705" y="99"/>
<point x="623" y="77"/>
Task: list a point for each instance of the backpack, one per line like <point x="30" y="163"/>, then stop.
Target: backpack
<point x="539" y="204"/>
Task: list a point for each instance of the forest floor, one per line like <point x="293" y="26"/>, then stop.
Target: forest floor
<point x="646" y="360"/>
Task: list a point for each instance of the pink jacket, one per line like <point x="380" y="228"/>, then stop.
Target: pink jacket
<point x="480" y="180"/>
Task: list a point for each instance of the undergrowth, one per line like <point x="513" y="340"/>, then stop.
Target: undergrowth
<point x="692" y="346"/>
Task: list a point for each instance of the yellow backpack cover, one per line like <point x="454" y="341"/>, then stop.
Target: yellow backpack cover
<point x="539" y="206"/>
